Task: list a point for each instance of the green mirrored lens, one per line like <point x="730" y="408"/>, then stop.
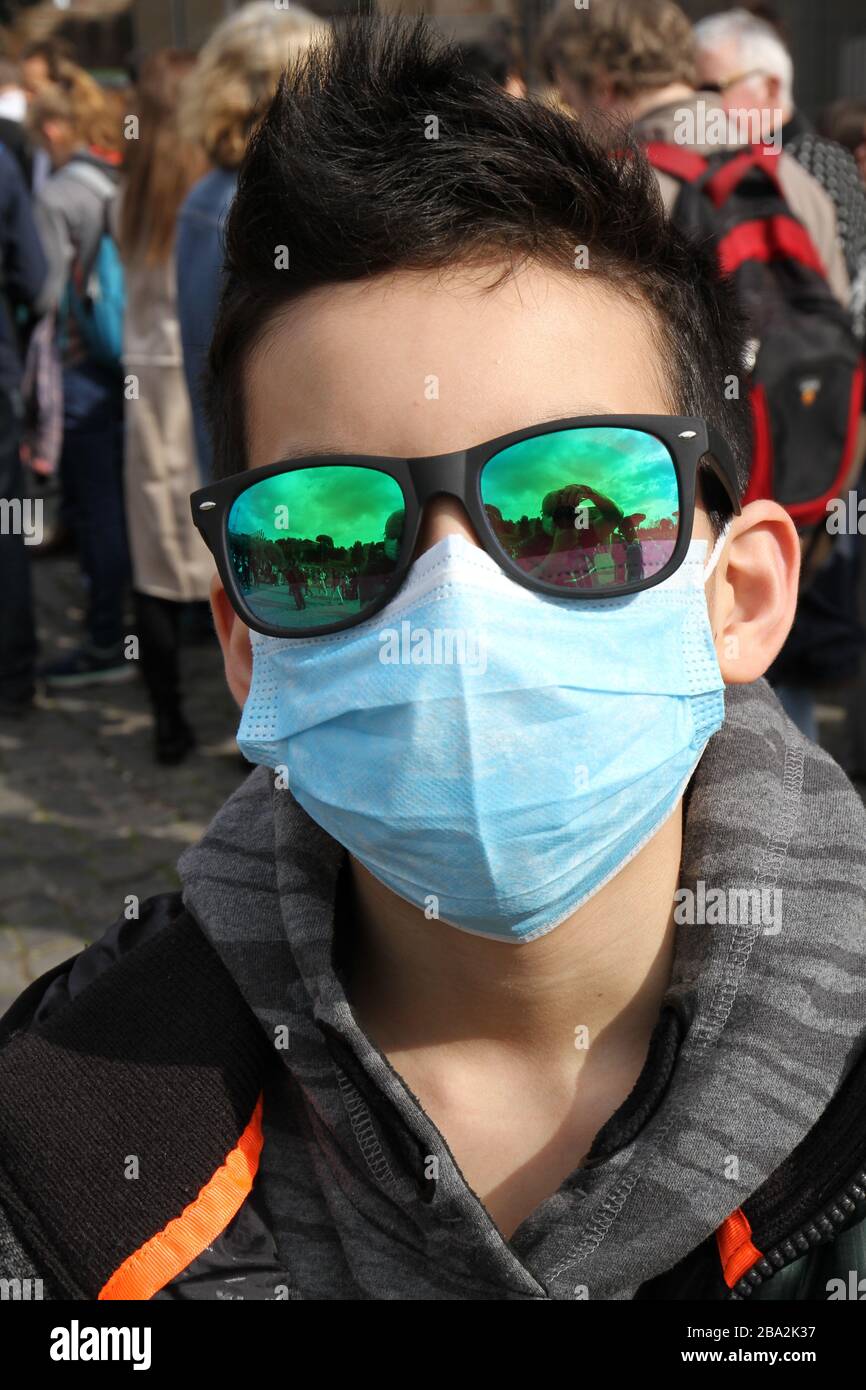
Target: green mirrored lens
<point x="590" y="508"/>
<point x="317" y="545"/>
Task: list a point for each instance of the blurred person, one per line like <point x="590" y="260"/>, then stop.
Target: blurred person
<point x="345" y="1051"/>
<point x="13" y="98"/>
<point x="80" y="128"/>
<point x="13" y="110"/>
<point x="297" y="582"/>
<point x="170" y="566"/>
<point x="40" y="63"/>
<point x="488" y="46"/>
<point x="41" y="384"/>
<point x="747" y="63"/>
<point x="74" y="115"/>
<point x="743" y="57"/>
<point x="23" y="275"/>
<point x="845" y="122"/>
<point x="227" y="93"/>
<point x="633" y="63"/>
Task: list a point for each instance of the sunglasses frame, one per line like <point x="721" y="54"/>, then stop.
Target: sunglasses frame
<point x="689" y="440"/>
<point x="719" y="88"/>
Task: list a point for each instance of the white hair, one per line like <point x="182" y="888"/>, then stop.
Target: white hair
<point x="757" y="45"/>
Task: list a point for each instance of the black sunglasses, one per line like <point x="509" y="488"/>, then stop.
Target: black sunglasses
<point x="719" y="88"/>
<point x="594" y="507"/>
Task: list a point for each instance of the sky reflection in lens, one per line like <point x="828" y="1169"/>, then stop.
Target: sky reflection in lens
<point x="317" y="545"/>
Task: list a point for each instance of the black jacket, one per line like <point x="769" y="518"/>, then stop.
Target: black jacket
<point x="132" y="1018"/>
<point x="23" y="269"/>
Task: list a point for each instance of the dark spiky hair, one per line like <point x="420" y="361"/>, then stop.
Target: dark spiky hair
<point x="342" y="172"/>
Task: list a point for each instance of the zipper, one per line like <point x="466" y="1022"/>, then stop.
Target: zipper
<point x="831" y="1220"/>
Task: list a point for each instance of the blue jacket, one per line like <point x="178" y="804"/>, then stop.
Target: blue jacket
<point x="199" y="252"/>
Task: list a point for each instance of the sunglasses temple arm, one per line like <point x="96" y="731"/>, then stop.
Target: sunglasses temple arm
<point x="720" y="460"/>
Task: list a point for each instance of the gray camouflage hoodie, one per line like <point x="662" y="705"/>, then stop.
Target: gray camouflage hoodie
<point x="763" y="1024"/>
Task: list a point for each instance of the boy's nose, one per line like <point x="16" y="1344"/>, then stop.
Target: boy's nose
<point x="443" y="516"/>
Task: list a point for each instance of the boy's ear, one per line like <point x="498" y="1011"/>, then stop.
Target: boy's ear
<point x="753" y="595"/>
<point x="234" y="638"/>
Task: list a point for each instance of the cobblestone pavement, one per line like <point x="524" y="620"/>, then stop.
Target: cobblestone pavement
<point x="86" y="815"/>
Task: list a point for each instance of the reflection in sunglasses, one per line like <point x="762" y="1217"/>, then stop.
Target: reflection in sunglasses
<point x="582" y="539"/>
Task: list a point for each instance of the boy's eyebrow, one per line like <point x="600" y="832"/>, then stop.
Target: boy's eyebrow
<point x="302" y="450"/>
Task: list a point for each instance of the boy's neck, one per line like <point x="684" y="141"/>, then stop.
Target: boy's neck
<point x="415" y="983"/>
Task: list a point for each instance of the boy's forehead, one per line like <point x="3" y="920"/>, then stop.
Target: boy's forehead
<point x="413" y="364"/>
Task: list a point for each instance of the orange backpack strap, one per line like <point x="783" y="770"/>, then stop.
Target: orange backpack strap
<point x="736" y="1251"/>
<point x="160" y="1259"/>
<point x="160" y="1060"/>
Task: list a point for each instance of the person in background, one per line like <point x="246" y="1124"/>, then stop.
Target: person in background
<point x="13" y="110"/>
<point x="227" y="93"/>
<point x="488" y="46"/>
<point x="170" y="565"/>
<point x="13" y="98"/>
<point x="78" y="126"/>
<point x="22" y="282"/>
<point x="749" y="63"/>
<point x="746" y="61"/>
<point x="41" y="65"/>
<point x="636" y="64"/>
<point x="845" y="122"/>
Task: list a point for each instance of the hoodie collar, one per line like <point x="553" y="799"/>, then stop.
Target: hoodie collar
<point x="769" y="1013"/>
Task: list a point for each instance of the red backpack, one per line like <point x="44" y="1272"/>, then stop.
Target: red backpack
<point x="806" y="369"/>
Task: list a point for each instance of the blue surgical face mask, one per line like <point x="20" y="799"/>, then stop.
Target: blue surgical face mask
<point x="492" y="755"/>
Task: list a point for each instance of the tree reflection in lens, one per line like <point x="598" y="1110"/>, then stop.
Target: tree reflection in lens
<point x="313" y="547"/>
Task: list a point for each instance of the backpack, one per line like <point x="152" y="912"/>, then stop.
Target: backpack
<point x="95" y="296"/>
<point x="806" y="369"/>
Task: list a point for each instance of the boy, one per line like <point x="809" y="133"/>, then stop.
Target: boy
<point x="443" y="1010"/>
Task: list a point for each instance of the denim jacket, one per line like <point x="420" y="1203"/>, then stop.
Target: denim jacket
<point x="199" y="253"/>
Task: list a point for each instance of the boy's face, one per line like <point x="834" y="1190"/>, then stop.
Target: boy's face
<point x="420" y="363"/>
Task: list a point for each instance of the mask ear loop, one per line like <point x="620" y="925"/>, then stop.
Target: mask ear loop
<point x="716" y="552"/>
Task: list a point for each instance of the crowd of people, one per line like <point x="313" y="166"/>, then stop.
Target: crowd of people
<point x="111" y="275"/>
<point x="113" y="202"/>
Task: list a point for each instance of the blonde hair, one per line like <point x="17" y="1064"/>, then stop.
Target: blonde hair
<point x="237" y="73"/>
<point x="94" y="114"/>
<point x="639" y="45"/>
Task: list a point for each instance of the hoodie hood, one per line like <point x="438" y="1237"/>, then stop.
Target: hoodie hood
<point x="762" y="1021"/>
